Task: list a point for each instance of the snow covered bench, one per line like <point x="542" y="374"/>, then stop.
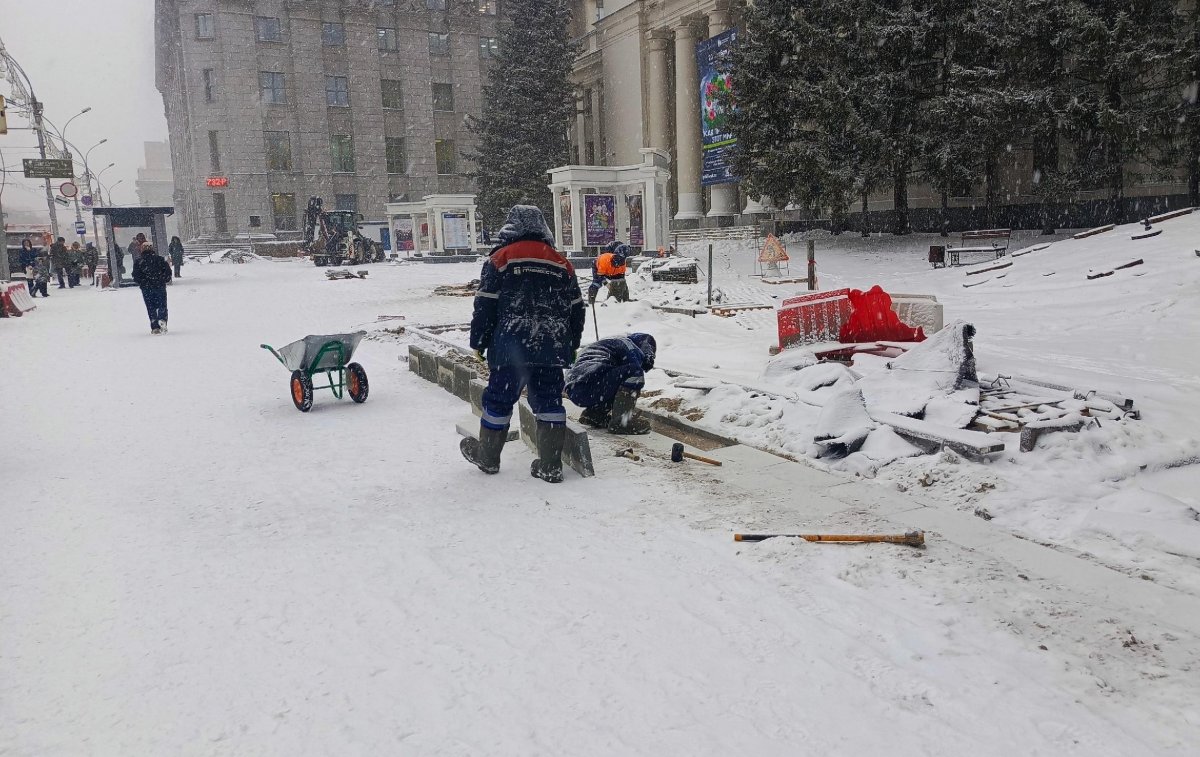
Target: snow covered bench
<point x="970" y="243"/>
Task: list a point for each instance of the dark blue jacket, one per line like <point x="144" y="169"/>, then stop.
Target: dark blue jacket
<point x="603" y="366"/>
<point x="528" y="310"/>
<point x="28" y="257"/>
<point x="151" y="270"/>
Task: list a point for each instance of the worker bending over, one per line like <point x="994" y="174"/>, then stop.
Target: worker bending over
<point x="610" y="268"/>
<point x="606" y="379"/>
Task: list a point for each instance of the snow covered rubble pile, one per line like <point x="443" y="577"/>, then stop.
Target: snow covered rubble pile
<point x="232" y="255"/>
<point x="660" y="293"/>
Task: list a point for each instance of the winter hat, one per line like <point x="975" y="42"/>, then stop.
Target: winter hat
<point x="647" y="345"/>
<point x="526" y="222"/>
<point x="622" y="252"/>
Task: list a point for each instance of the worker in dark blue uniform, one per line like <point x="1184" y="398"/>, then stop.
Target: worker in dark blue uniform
<point x="606" y="379"/>
<point x="527" y="324"/>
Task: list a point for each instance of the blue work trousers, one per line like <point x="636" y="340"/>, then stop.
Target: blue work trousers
<point x="156" y="304"/>
<point x="504" y="389"/>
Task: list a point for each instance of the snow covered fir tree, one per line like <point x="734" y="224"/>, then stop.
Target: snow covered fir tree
<point x="875" y="95"/>
<point x="528" y="104"/>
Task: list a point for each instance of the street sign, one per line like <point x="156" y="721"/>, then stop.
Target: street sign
<point x="68" y="190"/>
<point x="80" y="228"/>
<point x="48" y="169"/>
<point x="86" y="201"/>
<point x="62" y="201"/>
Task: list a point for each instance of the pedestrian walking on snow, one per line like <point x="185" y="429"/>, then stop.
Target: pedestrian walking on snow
<point x="41" y="273"/>
<point x="175" y="250"/>
<point x="91" y="258"/>
<point x="152" y="273"/>
<point x="28" y="261"/>
<point x="606" y="379"/>
<point x="58" y="260"/>
<point x="528" y="321"/>
<point x="74" y="264"/>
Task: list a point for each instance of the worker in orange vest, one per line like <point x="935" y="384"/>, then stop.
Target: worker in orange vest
<point x="610" y="268"/>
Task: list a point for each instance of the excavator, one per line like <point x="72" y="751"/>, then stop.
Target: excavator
<point x="334" y="237"/>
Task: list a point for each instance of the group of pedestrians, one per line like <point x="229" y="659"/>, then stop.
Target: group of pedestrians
<point x="71" y="265"/>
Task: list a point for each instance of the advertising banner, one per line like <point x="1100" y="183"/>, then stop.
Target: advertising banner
<point x="637" y="237"/>
<point x="600" y="220"/>
<point x="402" y="235"/>
<point x="568" y="235"/>
<point x="457" y="231"/>
<point x="715" y="138"/>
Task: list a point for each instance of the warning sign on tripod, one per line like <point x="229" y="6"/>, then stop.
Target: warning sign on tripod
<point x="772" y="254"/>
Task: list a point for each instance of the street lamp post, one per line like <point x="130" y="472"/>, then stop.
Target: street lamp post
<point x="91" y="193"/>
<point x="87" y="177"/>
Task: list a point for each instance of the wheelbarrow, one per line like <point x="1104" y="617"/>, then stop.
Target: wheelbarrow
<point x="326" y="354"/>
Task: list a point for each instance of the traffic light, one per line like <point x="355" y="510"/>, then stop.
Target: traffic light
<point x="3" y="117"/>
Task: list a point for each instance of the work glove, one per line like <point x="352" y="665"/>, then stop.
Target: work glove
<point x="480" y="356"/>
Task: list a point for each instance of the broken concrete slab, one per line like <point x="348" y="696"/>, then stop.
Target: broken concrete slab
<point x="1034" y="431"/>
<point x="577" y="450"/>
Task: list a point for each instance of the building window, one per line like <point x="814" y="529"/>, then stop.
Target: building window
<point x="279" y="150"/>
<point x="393" y="95"/>
<point x="214" y="152"/>
<point x="439" y="44"/>
<point x="268" y="29"/>
<point x="337" y="91"/>
<point x="435" y="5"/>
<point x="397" y="161"/>
<point x="271" y="87"/>
<point x="443" y="97"/>
<point x="346" y="202"/>
<point x="487" y="7"/>
<point x="210" y="86"/>
<point x="446" y="161"/>
<point x="333" y="34"/>
<point x="219" y="214"/>
<point x="387" y="39"/>
<point x="489" y="47"/>
<point x="342" y="149"/>
<point x="283" y="207"/>
<point x="205" y="26"/>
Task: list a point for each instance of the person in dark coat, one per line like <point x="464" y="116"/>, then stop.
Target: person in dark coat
<point x="74" y="264"/>
<point x="152" y="273"/>
<point x="606" y="379"/>
<point x="58" y="260"/>
<point x="28" y="261"/>
<point x="91" y="258"/>
<point x="41" y="273"/>
<point x="609" y="268"/>
<point x="175" y="249"/>
<point x="528" y="321"/>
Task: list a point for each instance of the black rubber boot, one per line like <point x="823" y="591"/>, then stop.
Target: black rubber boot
<point x="548" y="466"/>
<point x="596" y="417"/>
<point x="484" y="452"/>
<point x="625" y="419"/>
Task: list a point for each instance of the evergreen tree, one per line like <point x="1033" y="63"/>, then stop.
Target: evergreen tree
<point x="528" y="105"/>
<point x="1127" y="71"/>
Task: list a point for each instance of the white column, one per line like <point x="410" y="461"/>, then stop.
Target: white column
<point x="687" y="123"/>
<point x="556" y="202"/>
<point x="650" y="215"/>
<point x="576" y="215"/>
<point x="723" y="198"/>
<point x="472" y="243"/>
<point x="656" y="91"/>
<point x="598" y="156"/>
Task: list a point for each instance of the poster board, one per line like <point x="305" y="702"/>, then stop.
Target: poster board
<point x="600" y="220"/>
<point x="637" y="235"/>
<point x="402" y="235"/>
<point x="457" y="231"/>
<point x="716" y="138"/>
<point x="568" y="235"/>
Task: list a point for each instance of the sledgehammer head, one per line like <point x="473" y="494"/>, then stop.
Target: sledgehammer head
<point x="677" y="453"/>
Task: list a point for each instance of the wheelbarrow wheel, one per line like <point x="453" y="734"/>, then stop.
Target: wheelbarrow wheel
<point x="356" y="382"/>
<point x="302" y="391"/>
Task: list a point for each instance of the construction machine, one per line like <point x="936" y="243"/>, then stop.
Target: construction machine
<point x="334" y="237"/>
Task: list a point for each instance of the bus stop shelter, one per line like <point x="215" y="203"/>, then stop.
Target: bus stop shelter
<point x="152" y="218"/>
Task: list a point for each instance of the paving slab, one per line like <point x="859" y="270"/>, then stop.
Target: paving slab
<point x="469" y="427"/>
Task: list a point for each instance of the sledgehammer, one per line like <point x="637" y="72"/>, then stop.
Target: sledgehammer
<point x="678" y="453"/>
<point x="912" y="538"/>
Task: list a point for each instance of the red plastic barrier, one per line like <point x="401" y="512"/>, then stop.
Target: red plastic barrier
<point x="872" y="319"/>
<point x="15" y="299"/>
<point x="811" y="318"/>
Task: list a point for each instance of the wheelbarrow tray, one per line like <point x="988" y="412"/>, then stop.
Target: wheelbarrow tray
<point x="301" y="354"/>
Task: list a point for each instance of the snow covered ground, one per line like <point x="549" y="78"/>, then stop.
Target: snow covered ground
<point x="190" y="566"/>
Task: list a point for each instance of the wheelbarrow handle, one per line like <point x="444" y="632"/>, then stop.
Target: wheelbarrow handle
<point x="271" y="349"/>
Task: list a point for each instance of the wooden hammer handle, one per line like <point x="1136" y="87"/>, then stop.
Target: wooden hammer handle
<point x="912" y="538"/>
<point x="702" y="459"/>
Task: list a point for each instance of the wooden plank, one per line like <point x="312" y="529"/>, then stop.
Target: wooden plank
<point x="1094" y="232"/>
<point x="1131" y="264"/>
<point x="1171" y="214"/>
<point x="1027" y="250"/>
<point x="1102" y="274"/>
<point x="977" y="283"/>
<point x="1146" y="234"/>
<point x="1001" y="266"/>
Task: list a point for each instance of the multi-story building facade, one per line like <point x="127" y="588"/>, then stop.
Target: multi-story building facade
<point x="637" y="85"/>
<point x="270" y="102"/>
